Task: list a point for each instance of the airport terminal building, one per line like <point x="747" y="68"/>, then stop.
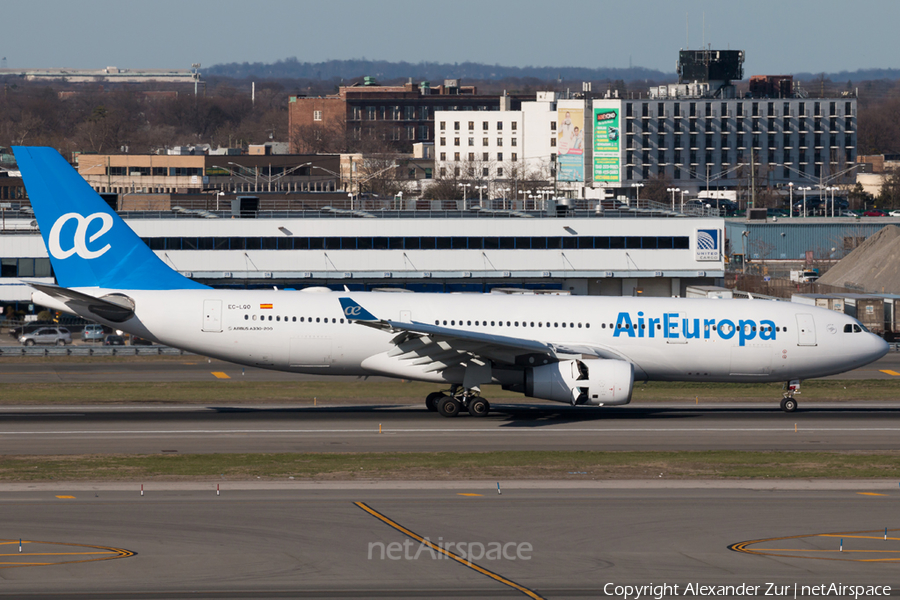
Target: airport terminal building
<point x="613" y="253"/>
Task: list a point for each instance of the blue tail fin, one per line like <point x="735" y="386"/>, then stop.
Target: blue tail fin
<point x="354" y="312"/>
<point x="89" y="245"/>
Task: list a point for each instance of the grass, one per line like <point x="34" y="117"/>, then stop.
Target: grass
<point x="584" y="465"/>
<point x="233" y="391"/>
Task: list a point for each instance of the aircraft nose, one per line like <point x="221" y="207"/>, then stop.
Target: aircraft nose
<point x="876" y="347"/>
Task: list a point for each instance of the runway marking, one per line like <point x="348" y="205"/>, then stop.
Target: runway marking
<point x="465" y="494"/>
<point x="220" y="375"/>
<point x="799" y="552"/>
<point x="66" y="497"/>
<point x="870" y="494"/>
<point x="100" y="552"/>
<point x="448" y="554"/>
<point x="889" y="372"/>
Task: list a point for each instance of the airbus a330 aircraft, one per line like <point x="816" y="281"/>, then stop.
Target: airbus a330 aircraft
<point x="582" y="350"/>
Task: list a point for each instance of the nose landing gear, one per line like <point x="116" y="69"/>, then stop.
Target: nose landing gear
<point x="788" y="403"/>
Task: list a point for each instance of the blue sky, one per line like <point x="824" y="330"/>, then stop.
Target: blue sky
<point x="779" y="36"/>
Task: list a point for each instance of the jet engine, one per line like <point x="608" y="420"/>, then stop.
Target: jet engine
<point x="592" y="381"/>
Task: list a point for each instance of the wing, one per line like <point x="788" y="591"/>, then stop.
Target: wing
<point x="436" y="348"/>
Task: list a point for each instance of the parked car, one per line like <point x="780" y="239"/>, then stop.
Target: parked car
<point x="92" y="333"/>
<point x="875" y="213"/>
<point x="17" y="332"/>
<point x="139" y="341"/>
<point x="849" y="213"/>
<point x="47" y="335"/>
<point x="894" y="213"/>
<point x="113" y="340"/>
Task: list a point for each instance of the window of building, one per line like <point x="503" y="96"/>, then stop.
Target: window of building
<point x="471" y="157"/>
<point x="499" y="125"/>
<point x="485" y="156"/>
<point x="499" y="171"/>
<point x="443" y="172"/>
<point x="500" y="156"/>
<point x="471" y="125"/>
<point x="456" y="125"/>
<point x="456" y="156"/>
<point x="485" y="172"/>
<point x="456" y="141"/>
<point x="317" y="115"/>
<point x="513" y="125"/>
<point x="553" y="125"/>
<point x="471" y="141"/>
<point x="499" y="141"/>
<point x="443" y="125"/>
<point x="553" y="141"/>
<point x="512" y="142"/>
<point x="409" y="112"/>
<point x="484" y="125"/>
<point x="411" y="132"/>
<point x="443" y="156"/>
<point x="484" y="141"/>
<point x="515" y="157"/>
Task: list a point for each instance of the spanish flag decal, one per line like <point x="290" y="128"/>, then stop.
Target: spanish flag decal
<point x="265" y="306"/>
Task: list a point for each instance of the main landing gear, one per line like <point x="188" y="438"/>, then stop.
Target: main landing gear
<point x="788" y="404"/>
<point x="458" y="399"/>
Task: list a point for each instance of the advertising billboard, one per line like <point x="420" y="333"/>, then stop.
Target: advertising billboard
<point x="606" y="144"/>
<point x="570" y="144"/>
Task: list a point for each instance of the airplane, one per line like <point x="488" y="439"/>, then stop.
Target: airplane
<point x="581" y="350"/>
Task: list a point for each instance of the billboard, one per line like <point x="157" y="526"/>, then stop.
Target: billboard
<point x="570" y="144"/>
<point x="606" y="144"/>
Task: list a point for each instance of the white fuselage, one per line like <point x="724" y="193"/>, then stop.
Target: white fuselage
<point x="665" y="338"/>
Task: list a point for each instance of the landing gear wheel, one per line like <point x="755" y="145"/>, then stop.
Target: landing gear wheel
<point x="432" y="400"/>
<point x="479" y="407"/>
<point x="449" y="406"/>
<point x="788" y="405"/>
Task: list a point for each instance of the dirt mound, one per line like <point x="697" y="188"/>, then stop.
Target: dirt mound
<point x="874" y="265"/>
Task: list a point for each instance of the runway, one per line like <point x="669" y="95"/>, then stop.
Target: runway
<point x="559" y="543"/>
<point x="347" y="428"/>
<point x="197" y="368"/>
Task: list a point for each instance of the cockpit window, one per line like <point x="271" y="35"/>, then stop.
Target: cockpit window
<point x="848" y="328"/>
<point x="859" y="328"/>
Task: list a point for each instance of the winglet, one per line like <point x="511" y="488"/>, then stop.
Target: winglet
<point x="354" y="312"/>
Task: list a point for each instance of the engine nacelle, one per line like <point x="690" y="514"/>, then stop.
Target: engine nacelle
<point x="592" y="381"/>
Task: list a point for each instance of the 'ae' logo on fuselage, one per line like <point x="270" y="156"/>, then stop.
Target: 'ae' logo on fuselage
<point x="80" y="240"/>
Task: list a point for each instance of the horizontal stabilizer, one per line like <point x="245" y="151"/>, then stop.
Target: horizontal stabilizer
<point x="116" y="308"/>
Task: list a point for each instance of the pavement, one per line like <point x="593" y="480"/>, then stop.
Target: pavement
<point x="441" y="543"/>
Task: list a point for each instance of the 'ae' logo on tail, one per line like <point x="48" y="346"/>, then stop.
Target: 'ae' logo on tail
<point x="80" y="240"/>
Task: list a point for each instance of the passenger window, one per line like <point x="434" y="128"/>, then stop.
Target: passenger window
<point x="469" y="323"/>
<point x="246" y="317"/>
<point x="317" y="319"/>
<point x="294" y="319"/>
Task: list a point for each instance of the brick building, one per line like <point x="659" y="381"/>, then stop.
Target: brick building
<point x="402" y="114"/>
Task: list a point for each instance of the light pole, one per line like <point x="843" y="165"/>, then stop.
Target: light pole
<point x="506" y="192"/>
<point x="480" y="189"/>
<point x="637" y="188"/>
<point x="464" y="186"/>
<point x="804" y="190"/>
<point x="673" y="190"/>
<point x="682" y="200"/>
<point x="791" y="202"/>
<point x="218" y="195"/>
<point x="832" y="189"/>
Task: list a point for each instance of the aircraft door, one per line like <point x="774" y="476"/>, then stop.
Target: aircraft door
<point x="806" y="330"/>
<point x="212" y="316"/>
